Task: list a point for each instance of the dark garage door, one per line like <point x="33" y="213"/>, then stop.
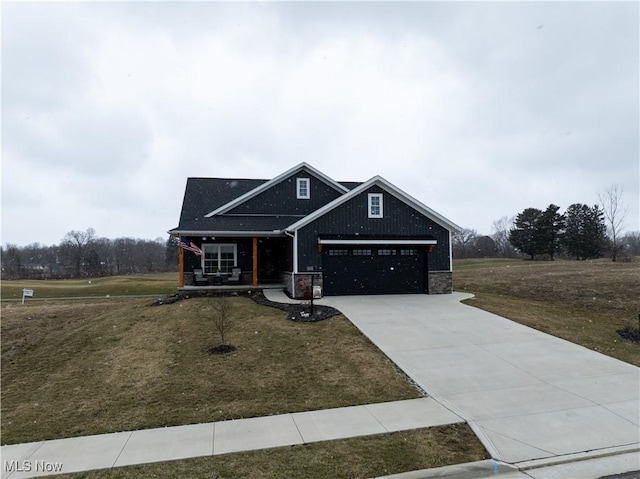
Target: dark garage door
<point x="373" y="270"/>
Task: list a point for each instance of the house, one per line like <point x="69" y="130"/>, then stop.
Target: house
<point x="303" y="229"/>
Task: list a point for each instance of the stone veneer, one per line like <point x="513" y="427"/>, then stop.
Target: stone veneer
<point x="440" y="282"/>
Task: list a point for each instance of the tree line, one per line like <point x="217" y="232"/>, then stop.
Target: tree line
<point x="84" y="254"/>
<point x="581" y="232"/>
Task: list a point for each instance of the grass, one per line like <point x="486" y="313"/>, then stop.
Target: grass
<point x="361" y="457"/>
<point x="585" y="302"/>
<point x="99" y="366"/>
<point x="104" y="365"/>
<point x="160" y="283"/>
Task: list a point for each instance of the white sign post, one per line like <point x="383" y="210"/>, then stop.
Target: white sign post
<point x="26" y="293"/>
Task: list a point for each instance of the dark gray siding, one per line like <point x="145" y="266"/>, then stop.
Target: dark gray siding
<point x="281" y="199"/>
<point x="400" y="221"/>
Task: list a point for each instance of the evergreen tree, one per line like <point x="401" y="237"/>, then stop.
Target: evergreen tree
<point x="537" y="232"/>
<point x="585" y="231"/>
<point x="549" y="226"/>
<point x="523" y="236"/>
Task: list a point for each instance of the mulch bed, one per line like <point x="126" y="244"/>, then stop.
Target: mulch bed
<point x="630" y="334"/>
<point x="301" y="313"/>
<point x="222" y="349"/>
<point x="295" y="312"/>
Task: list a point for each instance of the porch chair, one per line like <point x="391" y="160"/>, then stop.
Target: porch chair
<point x="199" y="277"/>
<point x="235" y="276"/>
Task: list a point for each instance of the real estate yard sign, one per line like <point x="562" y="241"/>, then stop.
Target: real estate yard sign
<point x="26" y="293"/>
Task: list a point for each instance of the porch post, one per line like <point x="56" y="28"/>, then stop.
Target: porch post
<point x="180" y="267"/>
<point x="254" y="280"/>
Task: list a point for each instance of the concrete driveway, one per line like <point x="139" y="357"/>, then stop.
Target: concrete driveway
<point x="528" y="396"/>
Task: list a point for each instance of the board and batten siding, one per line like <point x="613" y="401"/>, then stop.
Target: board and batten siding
<point x="281" y="199"/>
<point x="399" y="221"/>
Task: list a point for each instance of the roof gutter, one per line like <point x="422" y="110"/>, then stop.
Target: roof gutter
<point x="294" y="236"/>
<point x="227" y="233"/>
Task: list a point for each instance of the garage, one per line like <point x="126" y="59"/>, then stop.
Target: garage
<point x="374" y="269"/>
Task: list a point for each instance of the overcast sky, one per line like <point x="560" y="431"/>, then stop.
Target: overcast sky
<point x="479" y="110"/>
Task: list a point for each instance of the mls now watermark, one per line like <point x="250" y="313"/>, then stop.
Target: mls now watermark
<point x="32" y="466"/>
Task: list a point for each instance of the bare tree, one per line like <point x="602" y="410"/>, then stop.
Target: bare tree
<point x="74" y="245"/>
<point x="462" y="242"/>
<point x="615" y="212"/>
<point x="223" y="319"/>
<point x="500" y="234"/>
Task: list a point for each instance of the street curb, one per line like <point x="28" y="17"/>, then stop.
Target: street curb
<point x="576" y="457"/>
<point x="469" y="470"/>
<point x="493" y="468"/>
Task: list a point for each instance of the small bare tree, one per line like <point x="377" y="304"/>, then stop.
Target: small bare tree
<point x="223" y="318"/>
<point x="500" y="234"/>
<point x="462" y="242"/>
<point x="615" y="212"/>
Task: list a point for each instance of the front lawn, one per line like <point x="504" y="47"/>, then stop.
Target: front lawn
<point x="106" y="365"/>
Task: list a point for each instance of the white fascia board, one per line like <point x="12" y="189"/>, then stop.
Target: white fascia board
<point x="229" y="233"/>
<point x="376" y="241"/>
<point x="390" y="188"/>
<point x="275" y="181"/>
<point x="424" y="209"/>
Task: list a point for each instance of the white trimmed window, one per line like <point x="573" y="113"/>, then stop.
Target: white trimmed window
<point x="375" y="205"/>
<point x="219" y="258"/>
<point x="303" y="188"/>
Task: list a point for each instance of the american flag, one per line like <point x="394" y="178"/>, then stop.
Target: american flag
<point x="189" y="246"/>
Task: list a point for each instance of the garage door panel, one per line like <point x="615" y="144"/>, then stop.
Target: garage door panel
<point x="382" y="271"/>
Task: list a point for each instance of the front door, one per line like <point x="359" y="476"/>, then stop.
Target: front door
<point x="272" y="253"/>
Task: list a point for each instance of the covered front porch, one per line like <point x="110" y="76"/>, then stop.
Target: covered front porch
<point x="219" y="262"/>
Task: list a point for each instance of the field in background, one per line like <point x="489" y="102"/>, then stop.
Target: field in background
<point x="585" y="302"/>
<point x="160" y="283"/>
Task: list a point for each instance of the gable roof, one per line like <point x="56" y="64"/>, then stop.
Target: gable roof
<point x="268" y="184"/>
<point x="207" y="199"/>
<point x="385" y="185"/>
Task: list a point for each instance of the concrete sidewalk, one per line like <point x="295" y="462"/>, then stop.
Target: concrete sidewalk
<point x="528" y="396"/>
<point x="181" y="442"/>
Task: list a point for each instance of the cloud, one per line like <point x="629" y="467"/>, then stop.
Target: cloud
<point x="477" y="109"/>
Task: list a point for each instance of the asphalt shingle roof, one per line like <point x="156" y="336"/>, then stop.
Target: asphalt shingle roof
<point x="204" y="195"/>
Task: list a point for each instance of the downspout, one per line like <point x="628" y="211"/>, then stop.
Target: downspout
<point x="294" y="236"/>
<point x="450" y="254"/>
